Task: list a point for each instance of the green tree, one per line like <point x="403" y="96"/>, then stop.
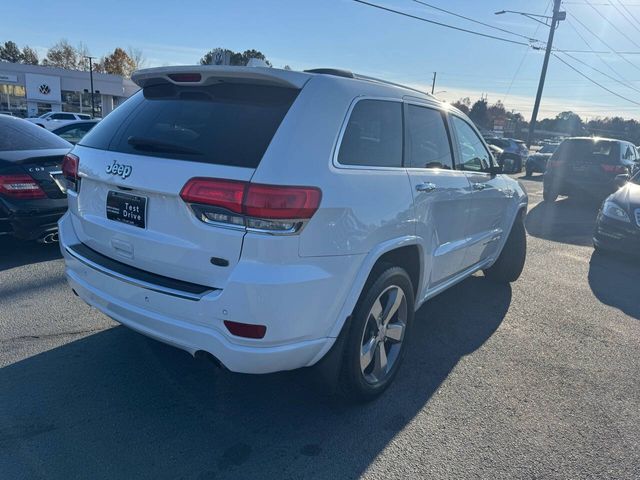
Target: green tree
<point x="64" y="55"/>
<point x="9" y="52"/>
<point x="235" y="58"/>
<point x="478" y="113"/>
<point x="117" y="63"/>
<point x="463" y="104"/>
<point x="29" y="56"/>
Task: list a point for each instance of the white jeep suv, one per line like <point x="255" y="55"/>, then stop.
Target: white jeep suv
<point x="270" y="218"/>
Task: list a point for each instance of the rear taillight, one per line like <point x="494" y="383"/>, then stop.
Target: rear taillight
<point x="614" y="168"/>
<point x="70" y="164"/>
<point x="273" y="208"/>
<point x="20" y="186"/>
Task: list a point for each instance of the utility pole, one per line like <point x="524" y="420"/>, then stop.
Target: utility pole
<point x="433" y="84"/>
<point x="555" y="19"/>
<point x="93" y="106"/>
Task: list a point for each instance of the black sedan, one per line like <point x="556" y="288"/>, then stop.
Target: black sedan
<point x="618" y="223"/>
<point x="32" y="188"/>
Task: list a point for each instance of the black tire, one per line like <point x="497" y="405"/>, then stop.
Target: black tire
<point x="511" y="261"/>
<point x="353" y="384"/>
<point x="529" y="173"/>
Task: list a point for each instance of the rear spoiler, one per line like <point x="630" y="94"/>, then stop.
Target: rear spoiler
<point x="211" y="74"/>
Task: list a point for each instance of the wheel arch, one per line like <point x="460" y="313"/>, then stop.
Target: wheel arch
<point x="405" y="252"/>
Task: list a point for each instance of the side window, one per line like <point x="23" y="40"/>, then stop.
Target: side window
<point x="473" y="154"/>
<point x="373" y="136"/>
<point x="427" y="144"/>
<point x="57" y="116"/>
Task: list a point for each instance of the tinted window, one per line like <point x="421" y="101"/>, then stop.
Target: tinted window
<point x="62" y="116"/>
<point x="473" y="154"/>
<point x="16" y="134"/>
<point x="84" y="117"/>
<point x="373" y="136"/>
<point x="498" y="142"/>
<point x="628" y="152"/>
<point x="228" y="124"/>
<point x="427" y="139"/>
<point x="73" y="133"/>
<point x="586" y="150"/>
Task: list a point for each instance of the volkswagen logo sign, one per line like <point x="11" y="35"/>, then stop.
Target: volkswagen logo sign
<point x="44" y="89"/>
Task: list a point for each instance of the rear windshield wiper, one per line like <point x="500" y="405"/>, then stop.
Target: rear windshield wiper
<point x="153" y="145"/>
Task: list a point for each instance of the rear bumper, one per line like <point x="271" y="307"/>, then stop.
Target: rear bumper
<point x="293" y="337"/>
<point x="30" y="224"/>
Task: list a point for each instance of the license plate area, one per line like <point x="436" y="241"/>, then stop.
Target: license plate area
<point x="127" y="208"/>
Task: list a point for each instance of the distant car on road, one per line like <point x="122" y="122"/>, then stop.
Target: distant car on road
<point x="32" y="189"/>
<point x="588" y="166"/>
<point x="53" y="120"/>
<point x="537" y="162"/>
<point x="618" y="223"/>
<point x="74" y="131"/>
<point x="515" y="153"/>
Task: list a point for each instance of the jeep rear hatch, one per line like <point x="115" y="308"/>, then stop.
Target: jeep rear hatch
<point x="135" y="163"/>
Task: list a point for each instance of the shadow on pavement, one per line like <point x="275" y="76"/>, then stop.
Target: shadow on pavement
<point x="16" y="253"/>
<point x="568" y="220"/>
<point x="116" y="405"/>
<point x="615" y="281"/>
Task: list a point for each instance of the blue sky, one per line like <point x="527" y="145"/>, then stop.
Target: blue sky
<point x="345" y="34"/>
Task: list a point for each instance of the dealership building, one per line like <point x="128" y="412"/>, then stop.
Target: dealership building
<point x="31" y="90"/>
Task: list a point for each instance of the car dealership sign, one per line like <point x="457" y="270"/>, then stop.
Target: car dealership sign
<point x="43" y="88"/>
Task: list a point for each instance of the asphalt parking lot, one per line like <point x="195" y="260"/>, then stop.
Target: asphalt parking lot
<point x="536" y="380"/>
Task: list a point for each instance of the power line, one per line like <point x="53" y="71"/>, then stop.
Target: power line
<point x="570" y="23"/>
<point x="629" y="12"/>
<point x="472" y="32"/>
<point x="612" y="24"/>
<point x="526" y="52"/>
<point x="594" y="82"/>
<point x="624" y="16"/>
<point x="619" y="54"/>
<point x="477" y="21"/>
<point x="602" y="73"/>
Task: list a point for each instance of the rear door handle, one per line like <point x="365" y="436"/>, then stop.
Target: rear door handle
<point x="426" y="187"/>
<point x="479" y="186"/>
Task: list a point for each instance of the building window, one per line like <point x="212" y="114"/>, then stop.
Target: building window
<point x="80" y="102"/>
<point x="13" y="98"/>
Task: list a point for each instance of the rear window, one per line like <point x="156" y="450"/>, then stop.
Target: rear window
<point x="585" y="150"/>
<point x="16" y="134"/>
<point x="226" y="124"/>
<point x="498" y="142"/>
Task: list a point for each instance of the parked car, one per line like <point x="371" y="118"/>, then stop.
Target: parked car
<point x="53" y="120"/>
<point x="618" y="223"/>
<point x="32" y="191"/>
<point x="537" y="162"/>
<point x="515" y="153"/>
<point x="270" y="218"/>
<point x="74" y="131"/>
<point x="588" y="166"/>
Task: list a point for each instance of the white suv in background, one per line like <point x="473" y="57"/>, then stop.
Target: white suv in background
<point x="270" y="218"/>
<point x="53" y="120"/>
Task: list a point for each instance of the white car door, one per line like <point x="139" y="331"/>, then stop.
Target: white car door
<point x="490" y="194"/>
<point x="439" y="193"/>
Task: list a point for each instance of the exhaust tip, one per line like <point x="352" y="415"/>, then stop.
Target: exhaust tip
<point x="49" y="238"/>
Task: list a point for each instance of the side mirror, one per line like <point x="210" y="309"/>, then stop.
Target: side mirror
<point x="621" y="179"/>
<point x="495" y="169"/>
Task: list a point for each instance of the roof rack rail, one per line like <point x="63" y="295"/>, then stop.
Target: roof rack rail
<point x="347" y="74"/>
<point x="332" y="71"/>
<point x="386" y="82"/>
